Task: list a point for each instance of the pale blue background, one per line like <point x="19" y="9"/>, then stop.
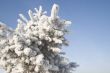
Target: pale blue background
<point x="90" y="31"/>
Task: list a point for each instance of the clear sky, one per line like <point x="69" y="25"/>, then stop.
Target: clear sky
<point x="89" y="33"/>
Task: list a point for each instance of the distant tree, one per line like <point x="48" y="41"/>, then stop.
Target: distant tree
<point x="35" y="45"/>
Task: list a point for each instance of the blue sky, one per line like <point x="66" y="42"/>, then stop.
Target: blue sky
<point x="89" y="33"/>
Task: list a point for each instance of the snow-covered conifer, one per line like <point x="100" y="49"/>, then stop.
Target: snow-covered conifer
<point x="35" y="45"/>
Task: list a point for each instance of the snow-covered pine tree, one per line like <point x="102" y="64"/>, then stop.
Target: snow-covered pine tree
<point x="35" y="45"/>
